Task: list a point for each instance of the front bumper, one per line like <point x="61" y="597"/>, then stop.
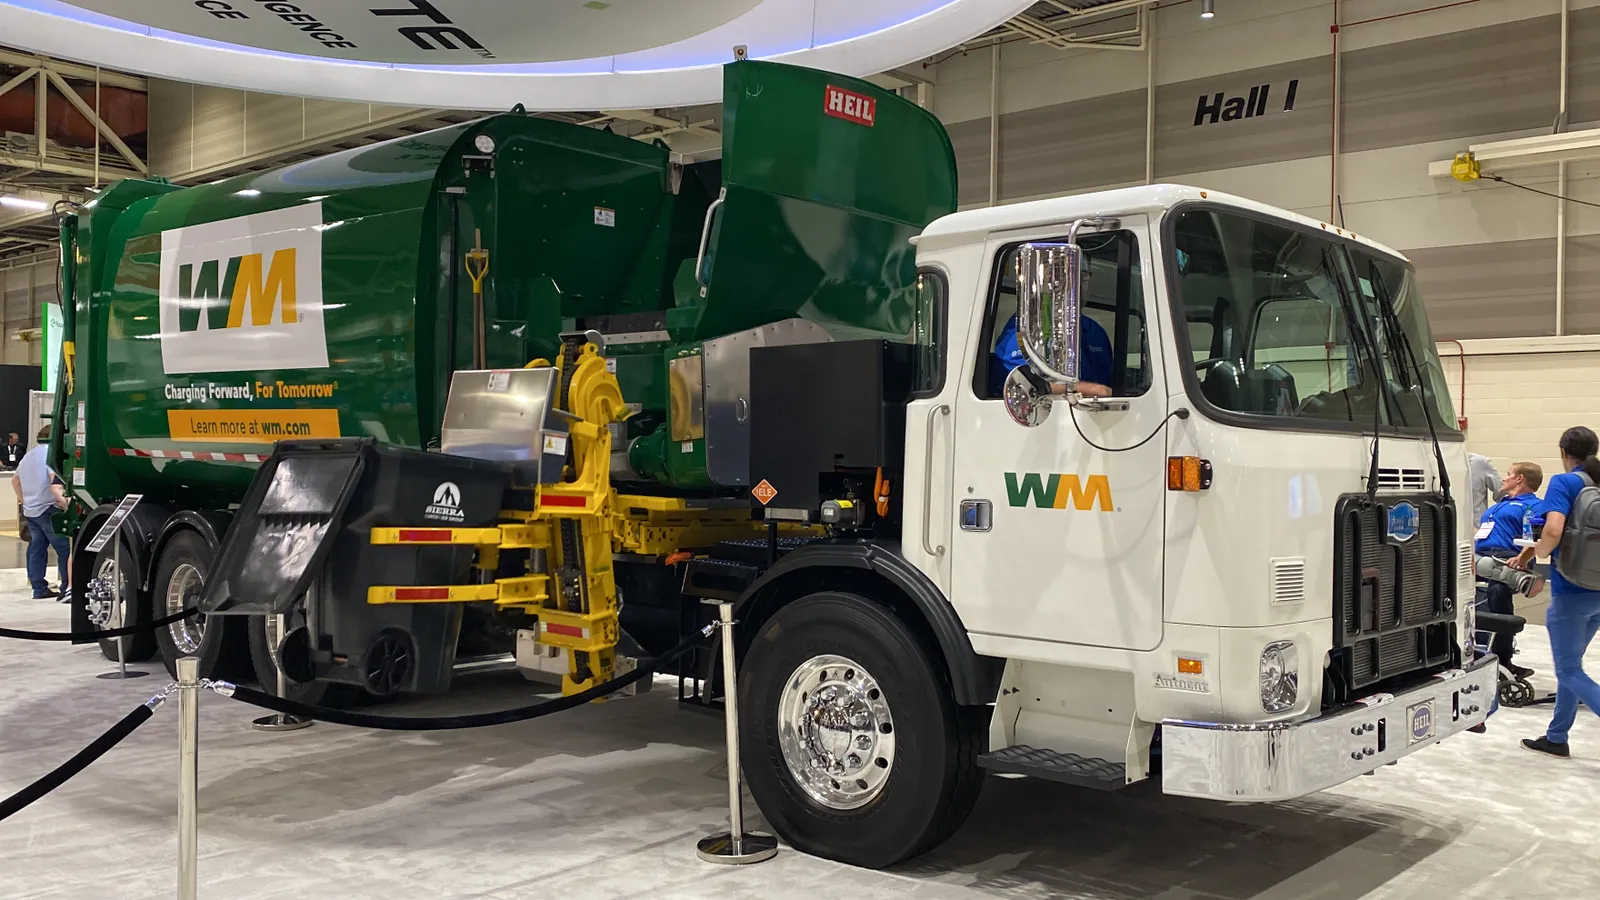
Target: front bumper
<point x="1282" y="760"/>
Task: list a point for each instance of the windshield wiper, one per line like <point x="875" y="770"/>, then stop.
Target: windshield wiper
<point x="1397" y="333"/>
<point x="1361" y="342"/>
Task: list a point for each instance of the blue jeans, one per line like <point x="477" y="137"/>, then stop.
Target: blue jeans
<point x="1572" y="620"/>
<point x="44" y="537"/>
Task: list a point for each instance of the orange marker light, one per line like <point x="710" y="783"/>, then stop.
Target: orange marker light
<point x="1187" y="666"/>
<point x="1188" y="473"/>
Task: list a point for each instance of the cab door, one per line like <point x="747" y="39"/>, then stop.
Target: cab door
<point x="1056" y="539"/>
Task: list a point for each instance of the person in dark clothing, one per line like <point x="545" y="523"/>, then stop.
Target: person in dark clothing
<point x="11" y="454"/>
<point x="1502" y="524"/>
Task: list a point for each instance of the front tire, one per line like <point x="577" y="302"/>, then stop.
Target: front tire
<point x="181" y="574"/>
<point x="854" y="747"/>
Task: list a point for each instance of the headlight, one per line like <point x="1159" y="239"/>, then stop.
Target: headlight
<point x="1280" y="676"/>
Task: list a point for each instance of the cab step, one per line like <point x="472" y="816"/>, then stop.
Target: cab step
<point x="1051" y="765"/>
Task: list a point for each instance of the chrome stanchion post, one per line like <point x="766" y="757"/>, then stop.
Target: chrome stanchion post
<point x="120" y="617"/>
<point x="188" y="776"/>
<point x="280" y="721"/>
<point x="736" y="846"/>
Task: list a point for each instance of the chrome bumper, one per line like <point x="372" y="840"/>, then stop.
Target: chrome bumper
<point x="1282" y="760"/>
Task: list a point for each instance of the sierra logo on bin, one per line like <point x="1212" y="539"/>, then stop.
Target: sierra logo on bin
<point x="850" y="106"/>
<point x="446" y="505"/>
<point x="1058" y="491"/>
<point x="244" y="294"/>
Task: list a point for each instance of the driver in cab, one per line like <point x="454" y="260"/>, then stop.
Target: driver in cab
<point x="1094" y="356"/>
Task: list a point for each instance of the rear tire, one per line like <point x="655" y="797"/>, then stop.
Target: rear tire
<point x="136" y="607"/>
<point x="846" y="675"/>
<point x="264" y="657"/>
<point x="181" y="573"/>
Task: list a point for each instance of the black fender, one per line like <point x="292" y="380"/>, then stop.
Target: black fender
<point x="974" y="679"/>
<point x="211" y="525"/>
<point x="142" y="528"/>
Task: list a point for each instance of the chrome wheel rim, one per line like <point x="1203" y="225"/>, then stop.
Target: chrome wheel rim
<point x="836" y="732"/>
<point x="183" y="590"/>
<point x="100" y="599"/>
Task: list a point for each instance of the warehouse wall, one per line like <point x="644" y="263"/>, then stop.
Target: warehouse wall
<point x="24" y="289"/>
<point x="1520" y="397"/>
<point x="1415" y="89"/>
<point x="193" y="127"/>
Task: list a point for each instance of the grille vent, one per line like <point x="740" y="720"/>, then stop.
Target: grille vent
<point x="1288" y="579"/>
<point x="1394" y="479"/>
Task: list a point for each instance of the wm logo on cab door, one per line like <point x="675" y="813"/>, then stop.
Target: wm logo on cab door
<point x="244" y="294"/>
<point x="1059" y="491"/>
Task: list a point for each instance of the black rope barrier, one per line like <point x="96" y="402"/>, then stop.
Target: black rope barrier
<point x="450" y="723"/>
<point x="140" y="628"/>
<point x="81" y="760"/>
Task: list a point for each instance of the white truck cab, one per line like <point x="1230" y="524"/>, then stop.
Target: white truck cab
<point x="1203" y="553"/>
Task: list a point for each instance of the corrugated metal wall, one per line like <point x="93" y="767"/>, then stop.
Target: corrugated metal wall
<point x="1414" y="89"/>
<point x="193" y="127"/>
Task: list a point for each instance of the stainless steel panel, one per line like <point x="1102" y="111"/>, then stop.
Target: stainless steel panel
<point x="727" y="393"/>
<point x="686" y="414"/>
<point x="504" y="414"/>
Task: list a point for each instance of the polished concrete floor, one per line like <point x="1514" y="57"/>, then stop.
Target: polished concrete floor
<point x="607" y="802"/>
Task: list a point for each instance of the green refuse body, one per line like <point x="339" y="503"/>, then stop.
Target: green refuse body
<point x="333" y="297"/>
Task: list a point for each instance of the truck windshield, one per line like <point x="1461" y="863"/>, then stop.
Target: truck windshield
<point x="1288" y="324"/>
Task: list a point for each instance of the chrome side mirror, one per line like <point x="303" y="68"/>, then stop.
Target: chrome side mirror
<point x="1049" y="301"/>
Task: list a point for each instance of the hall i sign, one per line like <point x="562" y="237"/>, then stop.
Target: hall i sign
<point x="1219" y="107"/>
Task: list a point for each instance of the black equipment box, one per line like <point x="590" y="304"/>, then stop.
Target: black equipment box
<point x="818" y="409"/>
<point x="304" y="530"/>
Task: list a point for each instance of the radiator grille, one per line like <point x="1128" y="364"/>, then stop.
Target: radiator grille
<point x="1395" y="600"/>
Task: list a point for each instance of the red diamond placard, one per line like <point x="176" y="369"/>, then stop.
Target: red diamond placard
<point x="764" y="492"/>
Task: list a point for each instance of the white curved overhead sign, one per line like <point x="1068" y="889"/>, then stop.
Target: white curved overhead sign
<point x="490" y="54"/>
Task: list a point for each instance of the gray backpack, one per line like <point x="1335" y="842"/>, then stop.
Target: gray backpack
<point x="1579" y="561"/>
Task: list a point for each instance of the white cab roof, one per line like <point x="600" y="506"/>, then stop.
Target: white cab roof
<point x="1153" y="199"/>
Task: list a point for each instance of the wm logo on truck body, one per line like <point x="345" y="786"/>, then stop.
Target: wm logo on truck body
<point x="1059" y="491"/>
<point x="244" y="286"/>
<point x="244" y="294"/>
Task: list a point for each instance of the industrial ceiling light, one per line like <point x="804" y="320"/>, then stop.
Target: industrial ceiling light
<point x="23" y="203"/>
<point x="1208" y="9"/>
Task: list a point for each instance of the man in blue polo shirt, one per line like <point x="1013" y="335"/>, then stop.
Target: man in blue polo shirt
<point x="1498" y="531"/>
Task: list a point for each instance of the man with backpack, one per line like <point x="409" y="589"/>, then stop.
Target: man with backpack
<point x="1498" y="530"/>
<point x="1571" y="539"/>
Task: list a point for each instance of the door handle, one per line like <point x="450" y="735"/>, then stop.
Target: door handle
<point x="942" y="409"/>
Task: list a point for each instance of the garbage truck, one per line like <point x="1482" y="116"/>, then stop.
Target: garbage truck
<point x="1149" y="484"/>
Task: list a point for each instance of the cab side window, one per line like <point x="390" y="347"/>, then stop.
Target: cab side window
<point x="1115" y="348"/>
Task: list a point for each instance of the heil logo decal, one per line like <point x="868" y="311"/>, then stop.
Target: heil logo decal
<point x="244" y="294"/>
<point x="1057" y="491"/>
